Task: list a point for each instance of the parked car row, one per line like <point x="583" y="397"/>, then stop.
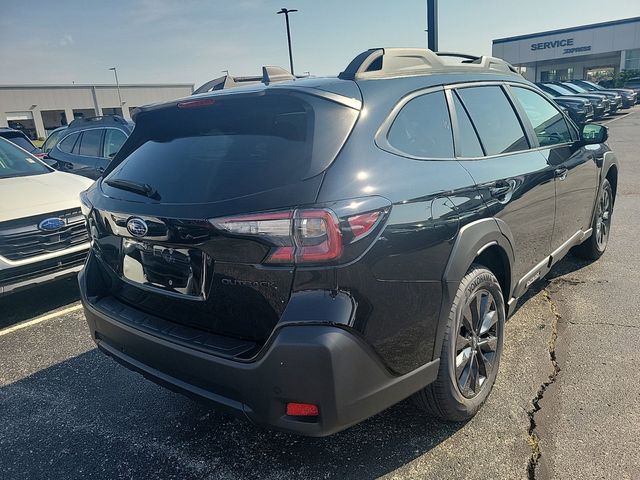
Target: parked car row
<point x="587" y="101"/>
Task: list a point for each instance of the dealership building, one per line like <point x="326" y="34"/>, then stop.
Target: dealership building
<point x="584" y="52"/>
<point x="39" y="109"/>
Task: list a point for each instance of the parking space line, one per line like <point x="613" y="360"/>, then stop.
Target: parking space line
<point x="35" y="321"/>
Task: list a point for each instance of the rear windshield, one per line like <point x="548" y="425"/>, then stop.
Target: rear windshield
<point x="239" y="145"/>
<point x="15" y="163"/>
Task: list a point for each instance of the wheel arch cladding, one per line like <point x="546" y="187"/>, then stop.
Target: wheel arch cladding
<point x="483" y="242"/>
<point x="612" y="176"/>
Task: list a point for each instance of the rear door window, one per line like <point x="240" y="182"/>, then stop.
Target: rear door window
<point x="90" y="142"/>
<point x="423" y="128"/>
<point x="67" y="145"/>
<point x="467" y="142"/>
<point x="234" y="145"/>
<point x="494" y="118"/>
<point x="547" y="121"/>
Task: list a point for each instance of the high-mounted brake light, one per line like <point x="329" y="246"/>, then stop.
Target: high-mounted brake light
<point x="196" y="103"/>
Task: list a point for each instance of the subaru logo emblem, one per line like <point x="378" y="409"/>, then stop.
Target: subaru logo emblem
<point x="51" y="224"/>
<point x="137" y="227"/>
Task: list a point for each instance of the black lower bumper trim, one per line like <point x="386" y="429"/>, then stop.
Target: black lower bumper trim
<point x="324" y="365"/>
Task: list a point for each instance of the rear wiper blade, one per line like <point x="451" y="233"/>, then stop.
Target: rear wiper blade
<point x="135" y="187"/>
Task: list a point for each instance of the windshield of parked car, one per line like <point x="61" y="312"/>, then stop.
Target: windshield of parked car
<point x="52" y="140"/>
<point x="575" y="87"/>
<point x="593" y="86"/>
<point x="15" y="163"/>
<point x="20" y="140"/>
<point x="559" y="89"/>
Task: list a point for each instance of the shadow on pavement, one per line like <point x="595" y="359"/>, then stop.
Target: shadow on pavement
<point x="568" y="264"/>
<point x="88" y="414"/>
<point x="36" y="301"/>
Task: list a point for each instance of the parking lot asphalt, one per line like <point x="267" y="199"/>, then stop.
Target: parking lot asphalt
<point x="67" y="411"/>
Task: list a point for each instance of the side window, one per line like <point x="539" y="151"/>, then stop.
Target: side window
<point x="494" y="118"/>
<point x="90" y="142"/>
<point x="423" y="128"/>
<point x="113" y="141"/>
<point x="547" y="121"/>
<point x="467" y="143"/>
<point x="68" y="143"/>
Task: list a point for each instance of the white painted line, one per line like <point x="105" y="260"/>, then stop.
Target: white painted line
<point x="35" y="321"/>
<point x="632" y="112"/>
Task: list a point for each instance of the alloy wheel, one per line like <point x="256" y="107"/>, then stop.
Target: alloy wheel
<point x="476" y="343"/>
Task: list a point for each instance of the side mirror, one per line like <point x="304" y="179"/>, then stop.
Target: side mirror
<point x="592" y="133"/>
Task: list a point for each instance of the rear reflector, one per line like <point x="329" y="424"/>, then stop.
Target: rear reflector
<point x="302" y="410"/>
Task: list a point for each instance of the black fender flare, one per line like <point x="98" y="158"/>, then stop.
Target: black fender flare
<point x="472" y="239"/>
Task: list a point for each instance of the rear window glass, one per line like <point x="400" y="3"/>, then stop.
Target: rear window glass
<point x="237" y="146"/>
<point x="423" y="128"/>
<point x="68" y="143"/>
<point x="90" y="142"/>
<point x="495" y="119"/>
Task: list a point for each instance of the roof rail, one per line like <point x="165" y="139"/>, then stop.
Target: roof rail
<point x="98" y="118"/>
<point x="386" y="62"/>
<point x="270" y="74"/>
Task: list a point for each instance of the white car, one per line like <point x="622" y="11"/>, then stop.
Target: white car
<point x="42" y="231"/>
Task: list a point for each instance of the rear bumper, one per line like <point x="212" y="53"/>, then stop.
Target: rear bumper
<point x="324" y="365"/>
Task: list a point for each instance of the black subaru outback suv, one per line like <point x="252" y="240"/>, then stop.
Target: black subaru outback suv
<point x="308" y="253"/>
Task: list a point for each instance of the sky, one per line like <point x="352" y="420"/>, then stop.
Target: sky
<point x="192" y="41"/>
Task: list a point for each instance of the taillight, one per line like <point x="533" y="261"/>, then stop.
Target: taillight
<point x="298" y="236"/>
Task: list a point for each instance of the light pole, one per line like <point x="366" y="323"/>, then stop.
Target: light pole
<point x="432" y="25"/>
<point x="115" y="72"/>
<point x="286" y="16"/>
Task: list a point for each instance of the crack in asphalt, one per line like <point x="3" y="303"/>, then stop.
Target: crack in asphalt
<point x="534" y="442"/>
<point x="606" y="324"/>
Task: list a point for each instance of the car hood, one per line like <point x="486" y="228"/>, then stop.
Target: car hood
<point x="38" y="194"/>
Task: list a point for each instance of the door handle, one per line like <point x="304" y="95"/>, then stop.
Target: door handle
<point x="561" y="173"/>
<point x="100" y="170"/>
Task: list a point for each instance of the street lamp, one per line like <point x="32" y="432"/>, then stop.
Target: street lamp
<point x="286" y="16"/>
<point x="115" y="72"/>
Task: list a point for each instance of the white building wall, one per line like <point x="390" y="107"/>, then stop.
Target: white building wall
<point x="73" y="97"/>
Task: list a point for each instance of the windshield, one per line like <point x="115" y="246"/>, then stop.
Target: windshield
<point x="21" y="141"/>
<point x="593" y="86"/>
<point x="559" y="89"/>
<point x="234" y="146"/>
<point x="575" y="88"/>
<point x="52" y="140"/>
<point x="15" y="163"/>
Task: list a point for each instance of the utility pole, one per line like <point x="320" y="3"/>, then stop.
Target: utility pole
<point x="115" y="72"/>
<point x="432" y="25"/>
<point x="286" y="16"/>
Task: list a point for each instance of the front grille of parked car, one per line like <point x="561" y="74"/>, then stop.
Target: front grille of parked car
<point x="22" y="239"/>
<point x="588" y="108"/>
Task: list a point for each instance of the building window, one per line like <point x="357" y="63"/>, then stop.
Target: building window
<point x="548" y="76"/>
<point x="632" y="59"/>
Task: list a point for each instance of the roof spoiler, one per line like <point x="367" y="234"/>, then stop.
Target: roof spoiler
<point x="385" y="62"/>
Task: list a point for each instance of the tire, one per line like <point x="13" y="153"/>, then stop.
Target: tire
<point x="451" y="397"/>
<point x="594" y="246"/>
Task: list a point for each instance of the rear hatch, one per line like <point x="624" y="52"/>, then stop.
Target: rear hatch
<point x="174" y="220"/>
